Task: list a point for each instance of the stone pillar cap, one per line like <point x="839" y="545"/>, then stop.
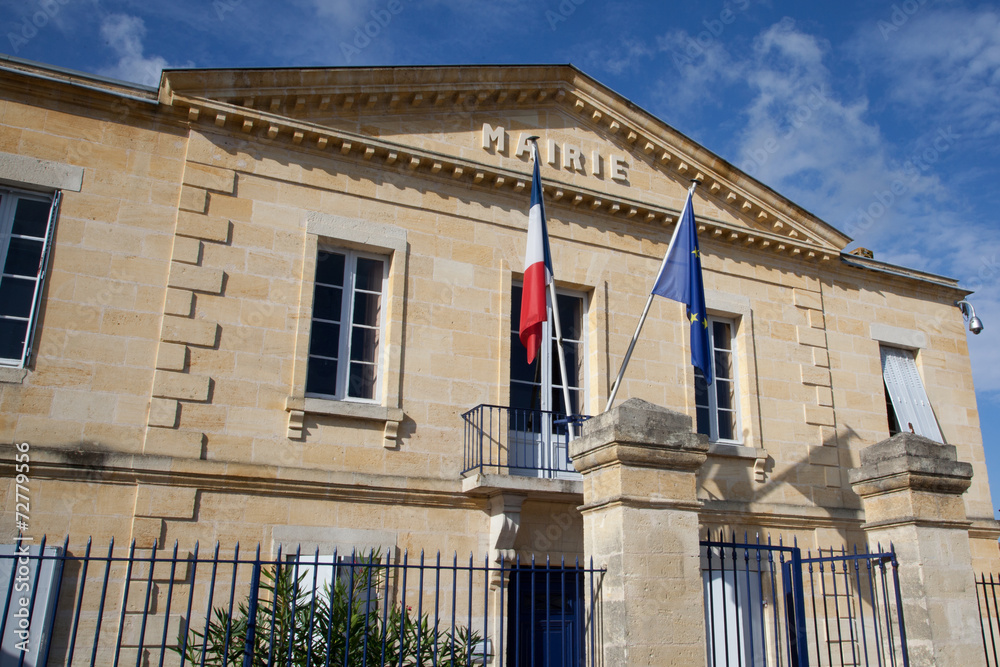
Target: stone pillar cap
<point x="639" y="433"/>
<point x="926" y="464"/>
<point x="908" y="444"/>
<point x="638" y="422"/>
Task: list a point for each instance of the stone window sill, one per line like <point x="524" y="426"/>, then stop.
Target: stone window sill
<point x="298" y="407"/>
<point x="13" y="375"/>
<point x="728" y="450"/>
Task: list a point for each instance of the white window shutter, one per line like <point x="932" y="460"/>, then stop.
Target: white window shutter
<point x="906" y="391"/>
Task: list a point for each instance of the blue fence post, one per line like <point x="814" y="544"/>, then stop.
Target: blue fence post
<point x="248" y="646"/>
<point x="899" y="608"/>
<point x="799" y="610"/>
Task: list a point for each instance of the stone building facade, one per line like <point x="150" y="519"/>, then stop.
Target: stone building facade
<point x="183" y="377"/>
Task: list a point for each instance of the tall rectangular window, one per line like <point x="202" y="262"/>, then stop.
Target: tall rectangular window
<point x="347" y="321"/>
<point x="26" y="222"/>
<point x="717" y="406"/>
<point x="540" y="385"/>
<point x="355" y="579"/>
<point x="908" y="407"/>
<point x="539" y="433"/>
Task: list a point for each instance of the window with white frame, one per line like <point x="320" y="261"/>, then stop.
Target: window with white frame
<point x="907" y="405"/>
<point x="26" y="224"/>
<point x="717" y="406"/>
<point x="736" y="614"/>
<point x="539" y="386"/>
<point x="354" y="579"/>
<point x="347" y="324"/>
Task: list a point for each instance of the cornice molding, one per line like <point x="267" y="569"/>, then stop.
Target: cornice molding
<point x="262" y="101"/>
<point x="313" y="137"/>
<point x="354" y="92"/>
<point x="236" y="477"/>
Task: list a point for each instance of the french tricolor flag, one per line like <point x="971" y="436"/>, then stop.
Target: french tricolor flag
<point x="537" y="271"/>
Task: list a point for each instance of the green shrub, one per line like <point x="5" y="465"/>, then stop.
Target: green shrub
<point x="295" y="628"/>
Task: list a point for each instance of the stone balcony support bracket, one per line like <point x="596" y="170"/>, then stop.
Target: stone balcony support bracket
<point x="505" y="522"/>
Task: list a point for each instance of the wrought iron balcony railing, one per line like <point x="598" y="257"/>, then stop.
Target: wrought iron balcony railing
<point x="515" y="441"/>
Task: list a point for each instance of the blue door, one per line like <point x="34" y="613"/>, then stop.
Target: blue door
<point x="545" y="624"/>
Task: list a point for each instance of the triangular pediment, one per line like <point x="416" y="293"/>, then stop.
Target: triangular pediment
<point x="598" y="149"/>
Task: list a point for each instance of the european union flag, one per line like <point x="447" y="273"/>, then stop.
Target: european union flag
<point x="679" y="279"/>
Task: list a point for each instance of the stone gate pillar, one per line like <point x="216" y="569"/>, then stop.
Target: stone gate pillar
<point x="912" y="490"/>
<point x="640" y="519"/>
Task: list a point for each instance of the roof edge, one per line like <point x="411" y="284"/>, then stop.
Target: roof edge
<point x="860" y="262"/>
<point x="76" y="78"/>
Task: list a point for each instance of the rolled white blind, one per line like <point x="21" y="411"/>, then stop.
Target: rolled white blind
<point x="907" y="394"/>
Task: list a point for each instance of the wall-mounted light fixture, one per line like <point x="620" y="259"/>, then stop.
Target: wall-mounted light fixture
<point x="969" y="315"/>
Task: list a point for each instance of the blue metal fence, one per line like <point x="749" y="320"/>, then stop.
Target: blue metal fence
<point x="989" y="616"/>
<point x="515" y="441"/>
<point x="114" y="606"/>
<point x="770" y="604"/>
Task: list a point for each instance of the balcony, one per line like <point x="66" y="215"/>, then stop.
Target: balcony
<point x="518" y="449"/>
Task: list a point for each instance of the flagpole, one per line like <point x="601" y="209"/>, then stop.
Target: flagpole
<point x="554" y="305"/>
<point x="562" y="359"/>
<point x="645" y="312"/>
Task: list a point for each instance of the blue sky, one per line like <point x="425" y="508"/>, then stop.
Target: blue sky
<point x="880" y="117"/>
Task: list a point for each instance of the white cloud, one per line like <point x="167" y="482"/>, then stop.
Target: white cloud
<point x="346" y="13"/>
<point x="943" y="61"/>
<point x="617" y="59"/>
<point x="701" y="62"/>
<point x="815" y="145"/>
<point x="826" y="150"/>
<point x="124" y="34"/>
